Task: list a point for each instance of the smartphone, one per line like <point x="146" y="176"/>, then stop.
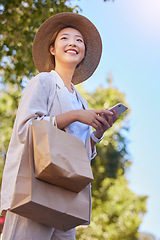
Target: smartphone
<point x="119" y="107"/>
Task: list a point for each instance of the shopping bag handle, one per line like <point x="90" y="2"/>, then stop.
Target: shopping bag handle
<point x="55" y="123"/>
<point x="51" y="121"/>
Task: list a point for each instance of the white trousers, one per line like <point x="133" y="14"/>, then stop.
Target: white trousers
<point x="20" y="228"/>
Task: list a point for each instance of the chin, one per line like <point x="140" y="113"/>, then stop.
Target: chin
<point x="73" y="64"/>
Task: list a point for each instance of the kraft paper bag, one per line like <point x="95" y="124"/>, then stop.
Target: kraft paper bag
<point x="45" y="203"/>
<point x="59" y="157"/>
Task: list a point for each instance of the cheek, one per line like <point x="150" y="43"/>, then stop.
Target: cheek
<point x="83" y="50"/>
<point x="56" y="50"/>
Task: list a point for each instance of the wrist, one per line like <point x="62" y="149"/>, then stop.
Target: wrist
<point x="98" y="133"/>
<point x="96" y="139"/>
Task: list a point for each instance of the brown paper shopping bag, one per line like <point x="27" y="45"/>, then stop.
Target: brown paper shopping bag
<point x="59" y="157"/>
<point x="44" y="202"/>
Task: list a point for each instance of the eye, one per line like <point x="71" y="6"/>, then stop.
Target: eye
<point x="79" y="40"/>
<point x="63" y="38"/>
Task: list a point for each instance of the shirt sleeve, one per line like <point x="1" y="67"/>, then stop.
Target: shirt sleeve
<point x="94" y="153"/>
<point x="33" y="105"/>
<point x="48" y="119"/>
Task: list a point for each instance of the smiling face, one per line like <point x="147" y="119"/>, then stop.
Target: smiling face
<point x="69" y="48"/>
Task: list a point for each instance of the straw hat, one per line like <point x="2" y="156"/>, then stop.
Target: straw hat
<point x="42" y="57"/>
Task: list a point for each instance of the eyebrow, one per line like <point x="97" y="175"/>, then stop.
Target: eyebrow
<point x="68" y="34"/>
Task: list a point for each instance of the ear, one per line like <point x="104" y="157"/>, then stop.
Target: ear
<point x="51" y="49"/>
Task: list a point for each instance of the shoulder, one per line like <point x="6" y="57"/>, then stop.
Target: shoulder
<point x="44" y="80"/>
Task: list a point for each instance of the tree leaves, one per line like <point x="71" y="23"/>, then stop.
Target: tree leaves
<point x="19" y="22"/>
<point x="117" y="211"/>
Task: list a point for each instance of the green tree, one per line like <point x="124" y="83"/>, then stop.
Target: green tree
<point x="116" y="211"/>
<point x="19" y="21"/>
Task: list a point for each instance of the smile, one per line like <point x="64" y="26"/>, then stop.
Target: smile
<point x="71" y="51"/>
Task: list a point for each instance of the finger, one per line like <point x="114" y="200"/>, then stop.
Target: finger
<point x="104" y="111"/>
<point x="94" y="125"/>
<point x="115" y="115"/>
<point x="99" y="124"/>
<point x="110" y="120"/>
<point x="103" y="120"/>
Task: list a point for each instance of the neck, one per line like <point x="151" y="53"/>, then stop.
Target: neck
<point x="66" y="74"/>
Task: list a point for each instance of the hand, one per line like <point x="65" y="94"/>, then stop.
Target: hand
<point x="109" y="121"/>
<point x="94" y="118"/>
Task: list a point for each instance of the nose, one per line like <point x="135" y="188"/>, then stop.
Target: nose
<point x="72" y="43"/>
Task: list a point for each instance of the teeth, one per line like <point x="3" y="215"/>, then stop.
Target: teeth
<point x="72" y="51"/>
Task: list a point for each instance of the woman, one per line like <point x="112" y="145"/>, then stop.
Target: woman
<point x="66" y="51"/>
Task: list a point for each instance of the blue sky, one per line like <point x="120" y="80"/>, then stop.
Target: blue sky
<point x="130" y="31"/>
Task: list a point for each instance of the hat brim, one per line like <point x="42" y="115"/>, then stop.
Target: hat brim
<point x="91" y="37"/>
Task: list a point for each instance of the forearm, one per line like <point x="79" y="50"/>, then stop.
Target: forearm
<point x="89" y="117"/>
<point x="64" y="119"/>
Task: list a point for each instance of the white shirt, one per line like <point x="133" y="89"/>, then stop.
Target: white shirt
<point x="77" y="129"/>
